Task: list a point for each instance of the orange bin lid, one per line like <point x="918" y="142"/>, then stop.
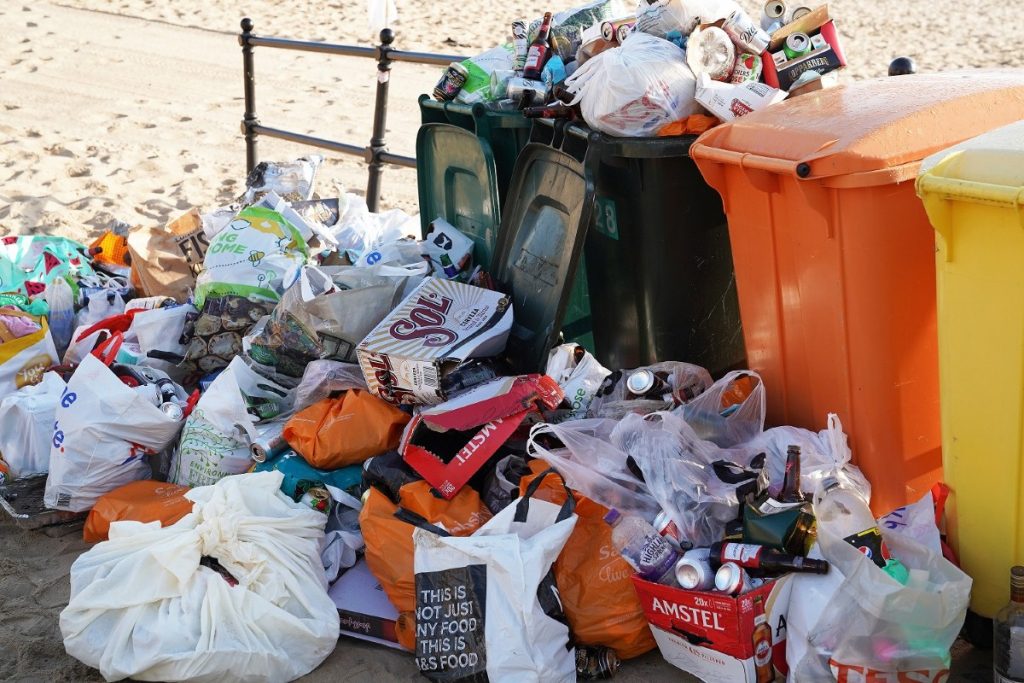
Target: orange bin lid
<point x="870" y="132"/>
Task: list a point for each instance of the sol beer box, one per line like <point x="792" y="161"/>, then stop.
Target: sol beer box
<point x="439" y="325"/>
<point x="717" y="637"/>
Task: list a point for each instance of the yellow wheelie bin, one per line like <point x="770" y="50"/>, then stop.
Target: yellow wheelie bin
<point x="974" y="195"/>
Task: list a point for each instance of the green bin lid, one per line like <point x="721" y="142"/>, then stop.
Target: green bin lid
<point x="458" y="182"/>
<point x="539" y="246"/>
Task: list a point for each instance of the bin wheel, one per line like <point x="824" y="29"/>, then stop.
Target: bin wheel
<point x="977" y="630"/>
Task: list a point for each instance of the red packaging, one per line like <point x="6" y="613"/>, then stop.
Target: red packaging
<point x="711" y="635"/>
<point x="479" y="422"/>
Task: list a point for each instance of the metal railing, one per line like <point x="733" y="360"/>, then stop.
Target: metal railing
<point x="376" y="153"/>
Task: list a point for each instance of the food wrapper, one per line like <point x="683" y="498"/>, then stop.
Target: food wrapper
<point x="729" y="101"/>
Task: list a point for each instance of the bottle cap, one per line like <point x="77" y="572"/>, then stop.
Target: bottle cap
<point x="612" y="516"/>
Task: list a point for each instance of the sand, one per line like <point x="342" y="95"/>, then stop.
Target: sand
<point x="128" y="111"/>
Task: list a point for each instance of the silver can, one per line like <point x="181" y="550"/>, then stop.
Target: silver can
<point x="695" y="574"/>
<point x="745" y="33"/>
<point x="172" y="410"/>
<point x="734" y="579"/>
<point x="269" y="442"/>
<point x="799" y="12"/>
<point x="451" y="82"/>
<point x="519" y="88"/>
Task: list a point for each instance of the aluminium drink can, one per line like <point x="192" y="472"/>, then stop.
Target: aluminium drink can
<point x="745" y="33"/>
<point x="451" y="82"/>
<point x="748" y="68"/>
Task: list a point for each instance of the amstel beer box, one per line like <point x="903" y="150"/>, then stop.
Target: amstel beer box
<point x="439" y="325"/>
<point x="717" y="637"/>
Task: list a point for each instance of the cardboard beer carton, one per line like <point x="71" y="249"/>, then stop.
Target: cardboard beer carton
<point x="364" y="609"/>
<point x="447" y="444"/>
<point x="711" y="635"/>
<point x="827" y="55"/>
<point x="439" y="325"/>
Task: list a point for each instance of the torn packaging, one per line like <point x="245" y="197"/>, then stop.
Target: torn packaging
<point x="440" y="324"/>
<point x="449" y="443"/>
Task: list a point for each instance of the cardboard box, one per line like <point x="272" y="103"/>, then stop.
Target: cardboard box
<point x="711" y="635"/>
<point x="364" y="608"/>
<point x="449" y="443"/>
<point x="823" y="59"/>
<point x="439" y="325"/>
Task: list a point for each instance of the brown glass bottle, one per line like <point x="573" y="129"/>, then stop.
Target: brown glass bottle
<point x="539" y="50"/>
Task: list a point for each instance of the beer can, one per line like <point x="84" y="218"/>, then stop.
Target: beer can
<point x="711" y="51"/>
<point x="748" y="68"/>
<point x="520" y="43"/>
<point x="595" y="663"/>
<point x="269" y="442"/>
<point x="624" y="30"/>
<point x="745" y="33"/>
<point x="519" y="88"/>
<point x="667" y="528"/>
<point x="694" y="574"/>
<point x="499" y="83"/>
<point x="451" y="82"/>
<point x="172" y="410"/>
<point x="773" y="10"/>
<point x="797" y="45"/>
<point x="612" y="29"/>
<point x="798" y="12"/>
<point x="734" y="579"/>
<point x="318" y="498"/>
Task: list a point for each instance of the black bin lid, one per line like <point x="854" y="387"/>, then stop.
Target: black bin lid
<point x="540" y="242"/>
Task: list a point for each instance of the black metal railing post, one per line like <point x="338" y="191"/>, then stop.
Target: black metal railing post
<point x="378" y="146"/>
<point x="249" y="121"/>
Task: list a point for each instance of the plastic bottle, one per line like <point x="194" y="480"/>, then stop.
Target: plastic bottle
<point x="61" y="319"/>
<point x="846" y="515"/>
<point x="647" y="551"/>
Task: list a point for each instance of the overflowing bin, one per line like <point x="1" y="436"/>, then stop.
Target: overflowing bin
<point x="834" y="256"/>
<point x="974" y="196"/>
<point x="658" y="260"/>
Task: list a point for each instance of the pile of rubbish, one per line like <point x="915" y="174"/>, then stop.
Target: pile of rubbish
<point x="656" y="68"/>
<point x="270" y="408"/>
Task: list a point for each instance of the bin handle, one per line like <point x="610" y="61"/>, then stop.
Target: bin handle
<point x="744" y="159"/>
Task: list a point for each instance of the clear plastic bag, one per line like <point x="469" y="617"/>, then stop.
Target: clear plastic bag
<point x="874" y="625"/>
<point x="635" y="89"/>
<point x="694" y="481"/>
<point x="822" y="454"/>
<point x="731" y="412"/>
<point x="590" y="464"/>
<point x="324" y="377"/>
<point x="613" y="400"/>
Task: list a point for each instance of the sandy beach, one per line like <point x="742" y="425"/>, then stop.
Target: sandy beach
<point x="128" y="111"/>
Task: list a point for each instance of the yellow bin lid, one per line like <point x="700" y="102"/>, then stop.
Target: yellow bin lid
<point x="988" y="169"/>
<point x="871" y="132"/>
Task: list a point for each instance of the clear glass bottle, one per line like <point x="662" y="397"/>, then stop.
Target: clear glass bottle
<point x="1008" y="653"/>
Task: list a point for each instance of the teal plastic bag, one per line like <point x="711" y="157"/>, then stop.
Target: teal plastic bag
<point x="300" y="476"/>
<point x="30" y="262"/>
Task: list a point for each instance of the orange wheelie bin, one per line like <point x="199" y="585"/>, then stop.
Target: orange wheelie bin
<point x="835" y="257"/>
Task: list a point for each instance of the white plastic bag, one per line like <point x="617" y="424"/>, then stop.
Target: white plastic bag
<point x="142" y="605"/>
<point x="487" y="604"/>
<point x="216" y="438"/>
<point x="26" y="426"/>
<point x="875" y="626"/>
<point x="636" y="89"/>
<point x="813" y="593"/>
<point x="358" y="231"/>
<point x="100" y="306"/>
<point x="716" y="416"/>
<point x="614" y="400"/>
<point x="660" y="17"/>
<point x="590" y="464"/>
<point x="101" y="431"/>
<point x="343" y="539"/>
<point x="579" y="374"/>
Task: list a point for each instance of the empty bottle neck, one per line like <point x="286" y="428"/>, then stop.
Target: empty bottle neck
<point x="1017" y="585"/>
